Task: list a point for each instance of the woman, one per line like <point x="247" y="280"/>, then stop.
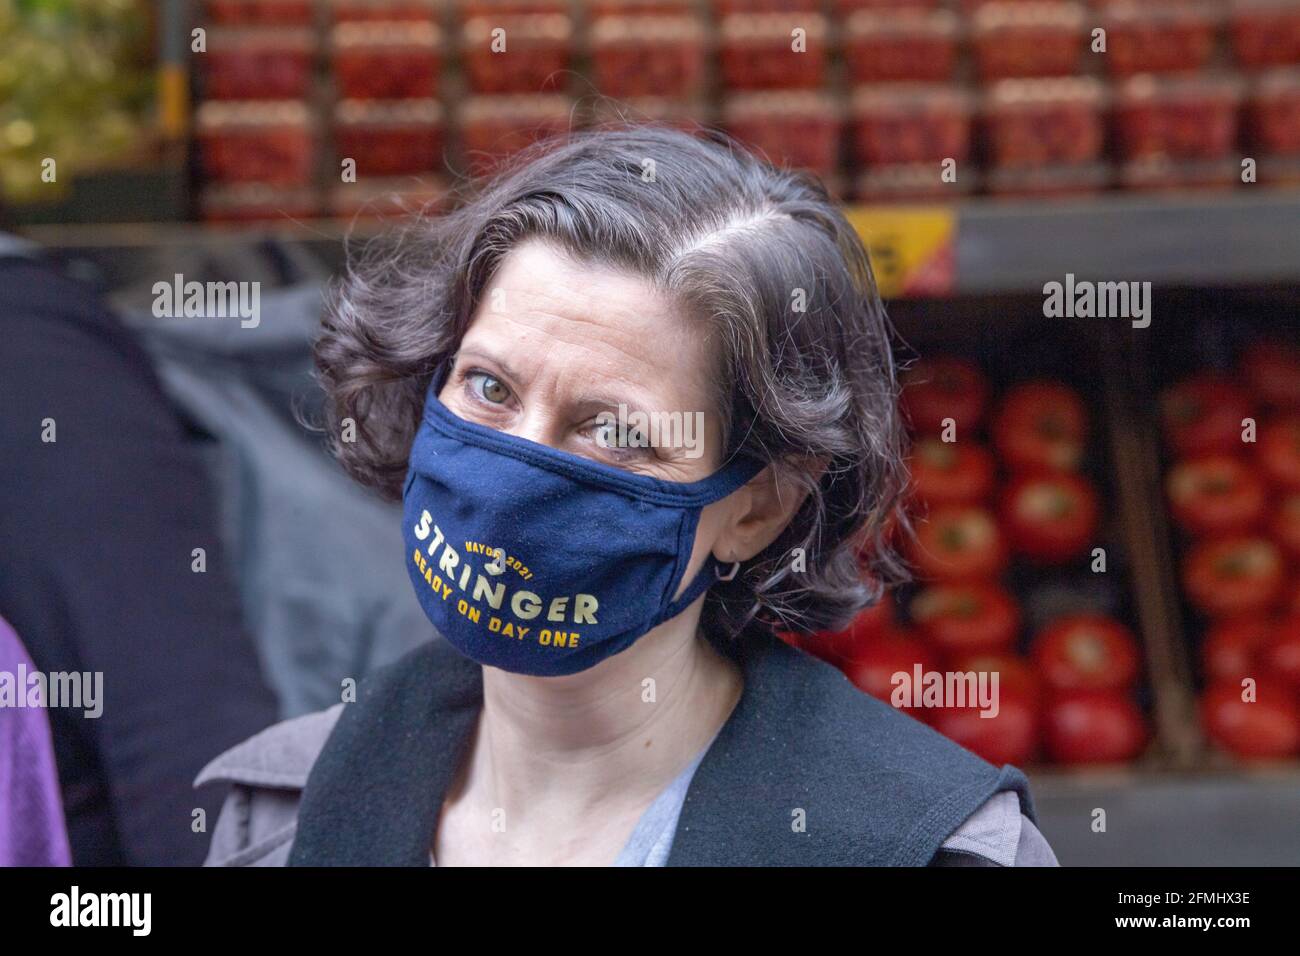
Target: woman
<point x="521" y="374"/>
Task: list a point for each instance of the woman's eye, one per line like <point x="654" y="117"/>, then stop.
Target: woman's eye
<point x="608" y="434"/>
<point x="488" y="388"/>
<point x="622" y="446"/>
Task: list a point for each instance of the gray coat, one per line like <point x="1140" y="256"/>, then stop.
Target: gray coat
<point x="267" y="774"/>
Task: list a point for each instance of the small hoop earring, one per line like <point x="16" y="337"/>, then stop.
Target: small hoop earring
<point x="730" y="575"/>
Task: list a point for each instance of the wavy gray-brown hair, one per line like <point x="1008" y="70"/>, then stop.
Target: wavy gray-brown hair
<point x="737" y="243"/>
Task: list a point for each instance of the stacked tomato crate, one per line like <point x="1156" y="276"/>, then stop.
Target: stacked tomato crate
<point x="1041" y="122"/>
<point x="385" y="60"/>
<point x="1176" y="104"/>
<point x="1230" y="426"/>
<point x="773" y="83"/>
<point x="256" y="133"/>
<point x="886" y="100"/>
<point x="909" y="115"/>
<point x="1147" y="94"/>
<point x="1018" y="557"/>
<point x="515" y="57"/>
<point x="649" y="59"/>
<point x="1265" y="40"/>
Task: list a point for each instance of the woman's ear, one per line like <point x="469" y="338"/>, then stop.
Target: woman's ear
<point x="761" y="510"/>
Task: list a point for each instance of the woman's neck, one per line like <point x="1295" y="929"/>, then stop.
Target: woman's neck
<point x="561" y="768"/>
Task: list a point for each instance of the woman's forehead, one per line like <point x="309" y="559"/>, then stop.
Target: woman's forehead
<point x="587" y="329"/>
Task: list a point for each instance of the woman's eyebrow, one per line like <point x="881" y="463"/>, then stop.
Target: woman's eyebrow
<point x="610" y="401"/>
<point x="500" y="363"/>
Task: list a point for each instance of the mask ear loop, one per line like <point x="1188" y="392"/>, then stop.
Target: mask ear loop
<point x="730" y="575"/>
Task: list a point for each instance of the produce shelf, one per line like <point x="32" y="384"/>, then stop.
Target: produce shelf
<point x="1236" y="818"/>
<point x="999" y="246"/>
<point x="1245" y="238"/>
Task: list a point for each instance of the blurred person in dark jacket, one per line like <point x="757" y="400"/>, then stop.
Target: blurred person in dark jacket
<point x="103" y="505"/>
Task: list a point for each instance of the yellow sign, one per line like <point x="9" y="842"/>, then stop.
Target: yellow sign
<point x="911" y="247"/>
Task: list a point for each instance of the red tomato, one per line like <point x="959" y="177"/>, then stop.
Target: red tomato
<point x="1041" y="426"/>
<point x="1273" y="371"/>
<point x="951" y="473"/>
<point x="958" y="544"/>
<point x="1202" y="416"/>
<point x="1279" y="452"/>
<point x="945" y="387"/>
<point x="1093" y="727"/>
<point x="890" y="653"/>
<point x="1087" y="652"/>
<point x="1050" y="519"/>
<point x="1281" y="655"/>
<point x="1015" y="674"/>
<point x="1215" y="495"/>
<point x="1266" y="727"/>
<point x="1284" y="526"/>
<point x="1238" y="575"/>
<point x="965" y="618"/>
<point x="1232" y="647"/>
<point x="1010" y="736"/>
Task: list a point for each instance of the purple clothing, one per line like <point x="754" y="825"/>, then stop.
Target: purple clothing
<point x="32" y="832"/>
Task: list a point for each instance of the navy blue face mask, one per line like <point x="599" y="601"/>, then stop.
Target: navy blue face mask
<point x="541" y="562"/>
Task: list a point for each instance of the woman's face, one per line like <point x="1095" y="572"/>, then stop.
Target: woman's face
<point x="557" y="346"/>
